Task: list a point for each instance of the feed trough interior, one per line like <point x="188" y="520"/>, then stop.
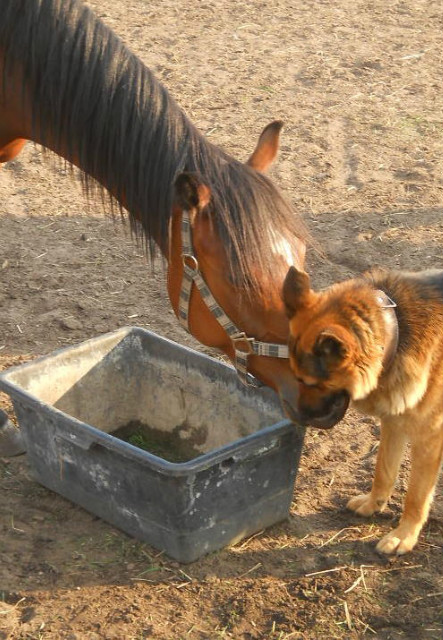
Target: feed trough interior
<point x="197" y="459"/>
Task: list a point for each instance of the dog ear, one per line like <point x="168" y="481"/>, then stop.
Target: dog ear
<point x="296" y="290"/>
<point x="191" y="194"/>
<point x="331" y="345"/>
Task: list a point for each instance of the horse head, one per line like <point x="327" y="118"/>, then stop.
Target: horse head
<point x="258" y="314"/>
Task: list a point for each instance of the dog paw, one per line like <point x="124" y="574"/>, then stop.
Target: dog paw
<point x="364" y="505"/>
<point x="398" y="541"/>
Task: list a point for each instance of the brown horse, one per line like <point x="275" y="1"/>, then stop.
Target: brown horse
<point x="68" y="83"/>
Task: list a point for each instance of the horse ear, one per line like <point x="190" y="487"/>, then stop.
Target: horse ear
<point x="296" y="291"/>
<point x="267" y="147"/>
<point x="191" y="193"/>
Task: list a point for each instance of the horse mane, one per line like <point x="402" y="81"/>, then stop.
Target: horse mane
<point x="95" y="100"/>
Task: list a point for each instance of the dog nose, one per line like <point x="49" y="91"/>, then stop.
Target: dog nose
<point x="328" y="413"/>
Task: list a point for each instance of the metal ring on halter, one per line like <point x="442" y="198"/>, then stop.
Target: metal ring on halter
<point x="240" y="339"/>
<point x="194" y="262"/>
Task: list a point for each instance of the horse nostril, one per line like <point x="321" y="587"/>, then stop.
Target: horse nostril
<point x="290" y="412"/>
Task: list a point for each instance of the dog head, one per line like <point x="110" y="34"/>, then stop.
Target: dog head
<point x="333" y="353"/>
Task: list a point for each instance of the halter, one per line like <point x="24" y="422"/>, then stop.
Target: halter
<point x="244" y="346"/>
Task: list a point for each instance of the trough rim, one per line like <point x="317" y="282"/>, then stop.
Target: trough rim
<point x="239" y="449"/>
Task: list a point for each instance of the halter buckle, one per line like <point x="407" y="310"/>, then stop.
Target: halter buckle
<point x="240" y="340"/>
<point x="188" y="257"/>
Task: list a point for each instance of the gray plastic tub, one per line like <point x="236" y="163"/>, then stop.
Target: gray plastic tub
<point x="246" y="455"/>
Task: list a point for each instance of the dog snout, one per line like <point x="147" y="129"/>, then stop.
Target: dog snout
<point x="325" y="413"/>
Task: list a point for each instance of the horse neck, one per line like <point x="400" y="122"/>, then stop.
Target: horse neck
<point x="99" y="108"/>
<point x="71" y="85"/>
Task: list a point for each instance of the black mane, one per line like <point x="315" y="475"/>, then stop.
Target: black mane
<point x="95" y="100"/>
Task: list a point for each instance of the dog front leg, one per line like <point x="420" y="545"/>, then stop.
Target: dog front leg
<point x="426" y="458"/>
<point x="390" y="453"/>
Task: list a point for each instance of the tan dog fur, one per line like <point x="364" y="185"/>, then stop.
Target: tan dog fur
<point x="338" y="343"/>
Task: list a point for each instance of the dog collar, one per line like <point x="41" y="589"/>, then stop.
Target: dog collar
<point x="388" y="307"/>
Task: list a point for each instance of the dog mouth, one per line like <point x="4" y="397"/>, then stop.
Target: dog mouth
<point x="331" y="411"/>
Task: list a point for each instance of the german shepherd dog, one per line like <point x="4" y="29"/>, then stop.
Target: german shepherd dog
<point x="377" y="341"/>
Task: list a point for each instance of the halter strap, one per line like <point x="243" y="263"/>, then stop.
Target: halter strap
<point x="244" y="346"/>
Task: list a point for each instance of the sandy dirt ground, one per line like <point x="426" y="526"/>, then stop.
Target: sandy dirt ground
<point x="358" y="85"/>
